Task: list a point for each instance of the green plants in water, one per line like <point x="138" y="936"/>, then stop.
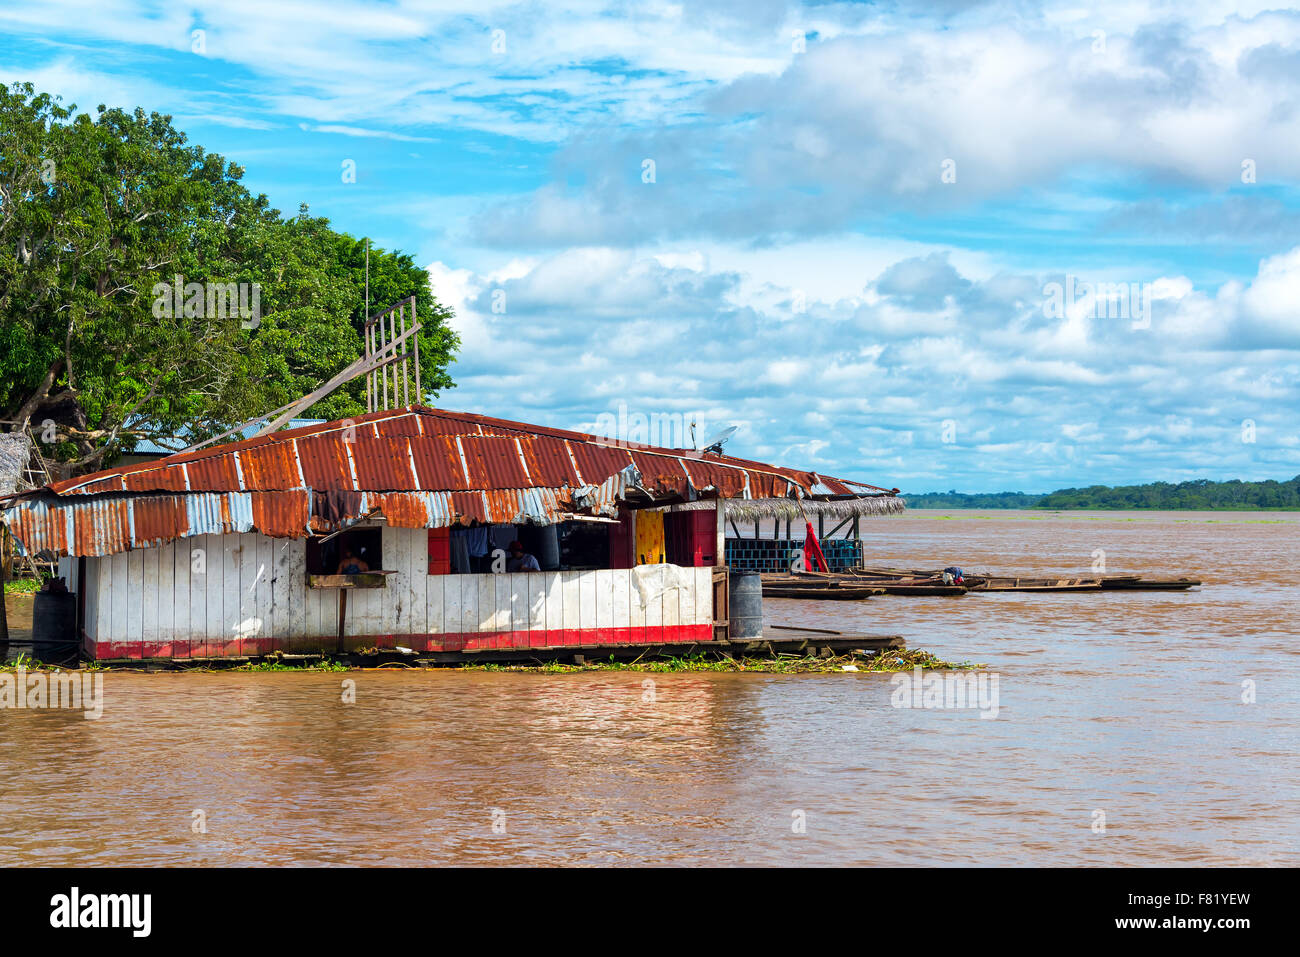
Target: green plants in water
<point x="887" y="660"/>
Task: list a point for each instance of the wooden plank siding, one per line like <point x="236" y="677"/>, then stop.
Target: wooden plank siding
<point x="243" y="595"/>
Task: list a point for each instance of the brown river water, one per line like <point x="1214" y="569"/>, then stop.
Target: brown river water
<point x="1123" y="704"/>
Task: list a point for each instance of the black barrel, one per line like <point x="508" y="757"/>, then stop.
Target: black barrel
<point x="745" y="598"/>
<point x="54" y="628"/>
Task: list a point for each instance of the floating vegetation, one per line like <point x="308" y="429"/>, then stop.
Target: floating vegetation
<point x="888" y="660"/>
<point x="27" y="663"/>
<point x="275" y="664"/>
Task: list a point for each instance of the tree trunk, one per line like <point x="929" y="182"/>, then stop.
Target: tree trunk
<point x="27" y="408"/>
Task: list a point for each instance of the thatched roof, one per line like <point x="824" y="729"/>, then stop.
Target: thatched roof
<point x="15" y="449"/>
<point x="755" y="509"/>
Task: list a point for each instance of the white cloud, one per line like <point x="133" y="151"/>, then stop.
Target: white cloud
<point x="863" y="125"/>
<point x="1056" y="403"/>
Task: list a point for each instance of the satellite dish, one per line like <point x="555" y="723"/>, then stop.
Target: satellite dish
<point x="715" y="444"/>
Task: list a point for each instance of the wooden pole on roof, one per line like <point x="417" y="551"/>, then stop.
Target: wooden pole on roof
<point x="419" y="396"/>
<point x="382" y="333"/>
<point x="393" y="334"/>
<point x="370" y="376"/>
<point x="365" y="330"/>
<point x="406" y="378"/>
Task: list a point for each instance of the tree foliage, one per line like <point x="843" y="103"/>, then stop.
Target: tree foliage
<point x="1199" y="494"/>
<point x="95" y="213"/>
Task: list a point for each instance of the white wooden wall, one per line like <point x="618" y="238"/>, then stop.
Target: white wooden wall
<point x="243" y="594"/>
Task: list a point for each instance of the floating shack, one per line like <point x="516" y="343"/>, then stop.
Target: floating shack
<point x="390" y="530"/>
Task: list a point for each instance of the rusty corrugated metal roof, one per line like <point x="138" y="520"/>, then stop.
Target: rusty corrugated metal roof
<point x="417" y="467"/>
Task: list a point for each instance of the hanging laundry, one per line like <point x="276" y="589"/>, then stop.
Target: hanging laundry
<point x="478" y="541"/>
<point x="459" y="549"/>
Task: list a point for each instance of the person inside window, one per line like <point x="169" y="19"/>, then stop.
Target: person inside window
<point x="349" y="564"/>
<point x="520" y="560"/>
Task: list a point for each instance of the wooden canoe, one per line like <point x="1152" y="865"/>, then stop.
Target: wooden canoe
<point x="1148" y="584"/>
<point x="821" y="593"/>
<point x="1033" y="584"/>
<point x="903" y="587"/>
<point x="883" y="585"/>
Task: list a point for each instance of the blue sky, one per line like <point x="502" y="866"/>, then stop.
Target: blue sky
<point x="855" y="218"/>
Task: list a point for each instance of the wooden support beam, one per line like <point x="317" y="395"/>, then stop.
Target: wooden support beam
<point x="343" y="614"/>
<point x="384" y="357"/>
<point x="419" y="395"/>
<point x="720" y="526"/>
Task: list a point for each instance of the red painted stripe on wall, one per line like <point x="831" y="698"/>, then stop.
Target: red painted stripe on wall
<point x="550" y="638"/>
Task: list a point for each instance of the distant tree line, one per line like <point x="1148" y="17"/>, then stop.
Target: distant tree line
<point x="954" y="499"/>
<point x="1199" y="495"/>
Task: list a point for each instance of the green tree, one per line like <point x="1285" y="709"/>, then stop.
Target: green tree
<point x="98" y="217"/>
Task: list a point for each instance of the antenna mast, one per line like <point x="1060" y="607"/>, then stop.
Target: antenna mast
<point x="370" y="379"/>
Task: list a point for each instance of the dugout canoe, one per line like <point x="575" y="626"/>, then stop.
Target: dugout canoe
<point x="1033" y="584"/>
<point x="821" y="593"/>
<point x="976" y="582"/>
<point x="1148" y="584"/>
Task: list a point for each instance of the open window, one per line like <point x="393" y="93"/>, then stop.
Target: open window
<point x="584" y="545"/>
<point x="356" y="551"/>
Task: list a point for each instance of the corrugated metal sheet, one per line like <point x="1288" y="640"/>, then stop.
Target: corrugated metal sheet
<point x="438" y="464"/>
<point x="730" y="483"/>
<point x="103" y="526"/>
<point x="324" y="462"/>
<point x="269" y="468"/>
<point x="549" y="462"/>
<point x="383" y="464"/>
<point x="598" y="462"/>
<point x="416" y="467"/>
<point x="282" y="514"/>
<point x="401" y="509"/>
<point x="215" y="474"/>
<point x="384" y="444"/>
<point x="494" y="462"/>
<point x="158" y="518"/>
